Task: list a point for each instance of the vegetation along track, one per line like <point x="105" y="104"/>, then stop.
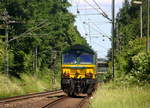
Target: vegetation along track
<point x="12" y="99"/>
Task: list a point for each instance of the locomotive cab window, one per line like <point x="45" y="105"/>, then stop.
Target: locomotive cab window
<point x="69" y="59"/>
<point x="83" y="58"/>
<point x="86" y="59"/>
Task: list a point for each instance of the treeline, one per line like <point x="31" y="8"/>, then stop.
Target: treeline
<point x="38" y="31"/>
<point x="132" y="61"/>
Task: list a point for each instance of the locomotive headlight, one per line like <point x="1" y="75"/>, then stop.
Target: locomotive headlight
<point x="66" y="72"/>
<point x="89" y="72"/>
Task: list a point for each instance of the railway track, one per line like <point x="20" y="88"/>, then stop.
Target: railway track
<point x="69" y="102"/>
<point x="16" y="98"/>
<point x="50" y="99"/>
<point x="55" y="102"/>
<point x="83" y="102"/>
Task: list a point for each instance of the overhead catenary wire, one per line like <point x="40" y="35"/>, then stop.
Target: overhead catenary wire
<point x="101" y="13"/>
<point x="89" y="9"/>
<point x="81" y="21"/>
<point x="70" y="8"/>
<point x="94" y="24"/>
<point x="99" y="8"/>
<point x="30" y="30"/>
<point x="92" y="6"/>
<point x="100" y="29"/>
<point x="79" y="14"/>
<point x="77" y="6"/>
<point x="90" y="14"/>
<point x="28" y="33"/>
<point x="84" y="29"/>
<point x="103" y="47"/>
<point x="100" y="32"/>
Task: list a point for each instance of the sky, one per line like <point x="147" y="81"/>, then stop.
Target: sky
<point x="92" y="26"/>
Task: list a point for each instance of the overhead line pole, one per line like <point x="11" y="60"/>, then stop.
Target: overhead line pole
<point x="147" y="40"/>
<point x="6" y="21"/>
<point x="7" y="55"/>
<point x="141" y="15"/>
<point x="36" y="59"/>
<point x="113" y="39"/>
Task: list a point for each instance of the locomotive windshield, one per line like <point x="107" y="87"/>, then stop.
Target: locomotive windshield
<point x="86" y="59"/>
<point x="78" y="59"/>
<point x="69" y="59"/>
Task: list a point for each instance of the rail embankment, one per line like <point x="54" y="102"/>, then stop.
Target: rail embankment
<point x="11" y="86"/>
<point x="112" y="96"/>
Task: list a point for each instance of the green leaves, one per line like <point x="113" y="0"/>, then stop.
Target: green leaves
<point x="43" y="27"/>
<point x="128" y="21"/>
<point x="141" y="67"/>
<point x="132" y="61"/>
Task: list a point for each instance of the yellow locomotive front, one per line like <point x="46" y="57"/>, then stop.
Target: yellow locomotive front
<point x="78" y="70"/>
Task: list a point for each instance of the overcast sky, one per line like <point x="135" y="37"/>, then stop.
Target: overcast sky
<point x="95" y="26"/>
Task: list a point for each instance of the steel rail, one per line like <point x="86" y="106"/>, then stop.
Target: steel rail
<point x="33" y="95"/>
<point x="55" y="102"/>
<point x="83" y="102"/>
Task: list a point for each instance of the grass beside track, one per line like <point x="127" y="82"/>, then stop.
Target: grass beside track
<point x="27" y="84"/>
<point x="108" y="96"/>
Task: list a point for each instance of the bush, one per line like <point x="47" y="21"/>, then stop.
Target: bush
<point x="11" y="86"/>
<point x="141" y="67"/>
<point x="132" y="64"/>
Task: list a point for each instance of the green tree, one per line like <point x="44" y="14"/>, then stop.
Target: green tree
<point x="129" y="48"/>
<point x="42" y="28"/>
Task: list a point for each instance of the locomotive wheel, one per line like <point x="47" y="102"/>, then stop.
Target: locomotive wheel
<point x="71" y="95"/>
<point x="72" y="87"/>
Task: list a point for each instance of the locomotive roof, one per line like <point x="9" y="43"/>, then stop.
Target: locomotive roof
<point x="78" y="47"/>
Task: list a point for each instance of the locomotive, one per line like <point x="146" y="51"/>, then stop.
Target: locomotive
<point x="78" y="70"/>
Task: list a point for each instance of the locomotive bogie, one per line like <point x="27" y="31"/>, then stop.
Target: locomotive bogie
<point x="77" y="86"/>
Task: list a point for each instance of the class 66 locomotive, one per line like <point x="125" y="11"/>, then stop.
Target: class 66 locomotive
<point x="78" y="70"/>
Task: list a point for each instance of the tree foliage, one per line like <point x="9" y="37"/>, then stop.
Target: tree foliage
<point x="131" y="58"/>
<point x="128" y="22"/>
<point x="42" y="29"/>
